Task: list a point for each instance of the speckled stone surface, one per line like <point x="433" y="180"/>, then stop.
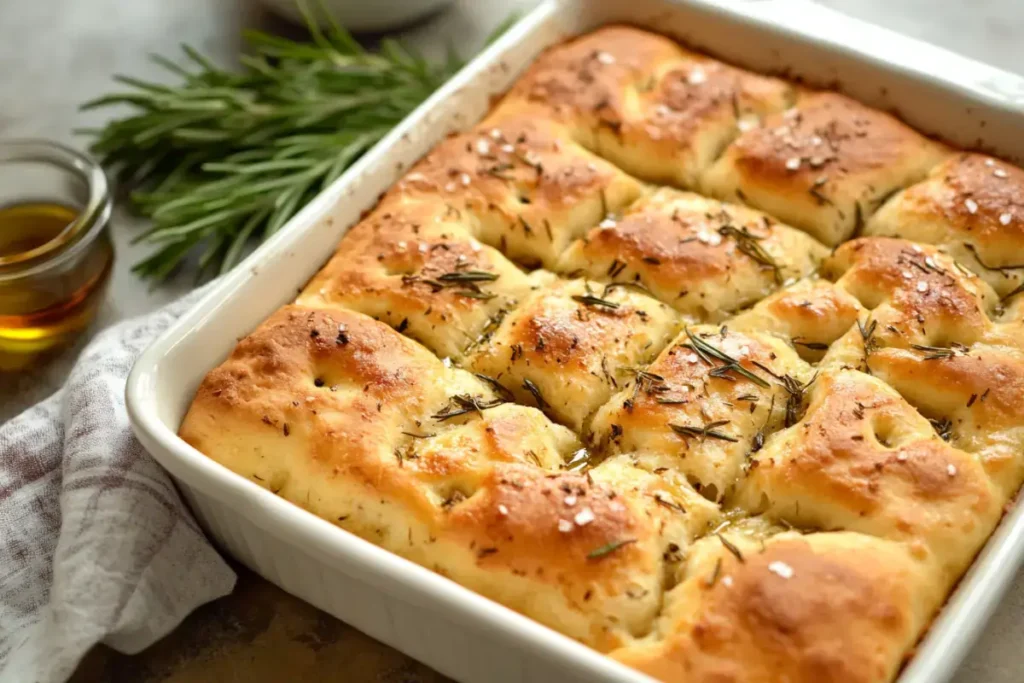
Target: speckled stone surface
<point x="59" y="53"/>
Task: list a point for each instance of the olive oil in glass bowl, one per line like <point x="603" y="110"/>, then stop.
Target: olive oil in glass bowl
<point x="55" y="250"/>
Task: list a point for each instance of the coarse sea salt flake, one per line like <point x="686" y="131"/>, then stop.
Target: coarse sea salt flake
<point x="502" y="510"/>
<point x="605" y="58"/>
<point x="793" y="163"/>
<point x="696" y="77"/>
<point x="951" y="470"/>
<point x="922" y="286"/>
<point x="570" y="500"/>
<point x="564" y="525"/>
<point x="972" y="206"/>
<point x="584" y="517"/>
<point x="1004" y="218"/>
<point x="781" y="569"/>
<point x="483" y="147"/>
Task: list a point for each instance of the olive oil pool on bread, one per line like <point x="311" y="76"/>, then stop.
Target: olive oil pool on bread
<point x="55" y="253"/>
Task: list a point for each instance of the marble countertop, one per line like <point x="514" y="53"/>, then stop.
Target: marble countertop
<point x="66" y="51"/>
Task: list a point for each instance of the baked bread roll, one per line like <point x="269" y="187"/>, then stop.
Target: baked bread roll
<point x="823" y="166"/>
<point x="820" y="607"/>
<point x="705" y="258"/>
<point x="656" y="110"/>
<point x="569" y="346"/>
<point x="973" y="207"/>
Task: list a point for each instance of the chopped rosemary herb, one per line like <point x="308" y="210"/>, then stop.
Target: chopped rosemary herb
<point x="535" y="392"/>
<point x="612" y="286"/>
<point x="591" y="300"/>
<point x="664" y="502"/>
<point x="999" y="269"/>
<point x="616" y="267"/>
<point x="497" y="386"/>
<point x="731" y="548"/>
<point x="867" y="334"/>
<point x="460" y="404"/>
<point x="748" y="243"/>
<point x="465" y="282"/>
<point x="794" y="399"/>
<point x="468" y="276"/>
<point x="608" y="549"/>
<point x="707" y="351"/>
<point x="643" y="376"/>
<point x="709" y="431"/>
<point x="934" y="352"/>
<point x="1017" y="290"/>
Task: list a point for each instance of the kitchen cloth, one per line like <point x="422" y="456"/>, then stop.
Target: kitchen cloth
<point x="95" y="544"/>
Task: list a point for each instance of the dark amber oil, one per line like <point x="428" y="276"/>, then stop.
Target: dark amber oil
<point x="26" y="227"/>
<point x="36" y="314"/>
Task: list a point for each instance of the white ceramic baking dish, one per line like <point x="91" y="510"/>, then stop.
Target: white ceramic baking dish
<point x="406" y="606"/>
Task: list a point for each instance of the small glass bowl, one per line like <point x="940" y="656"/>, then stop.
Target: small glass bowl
<point x="50" y="292"/>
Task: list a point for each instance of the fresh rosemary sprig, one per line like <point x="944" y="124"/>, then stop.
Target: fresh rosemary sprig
<point x="223" y="157"/>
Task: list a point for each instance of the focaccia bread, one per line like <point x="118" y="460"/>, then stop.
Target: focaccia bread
<point x="713" y="373"/>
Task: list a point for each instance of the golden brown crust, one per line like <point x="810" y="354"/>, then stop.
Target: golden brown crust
<point x="864" y="460"/>
<point x="519" y="185"/>
<point x="974" y="398"/>
<point x="660" y="112"/>
<point x="931" y="335"/>
<point x="567" y="348"/>
<point x="973" y="207"/>
<point x="415" y="267"/>
<point x="801" y="609"/>
<point x="876" y="391"/>
<point x="823" y="166"/>
<point x="923" y="294"/>
<point x="705" y="258"/>
<point x="810" y="314"/>
<point x="590" y="78"/>
<point x="702" y="417"/>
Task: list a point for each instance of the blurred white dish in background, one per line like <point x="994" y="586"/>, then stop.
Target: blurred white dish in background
<point x="364" y="15"/>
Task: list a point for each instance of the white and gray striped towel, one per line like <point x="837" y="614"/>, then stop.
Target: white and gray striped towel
<point x="95" y="544"/>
